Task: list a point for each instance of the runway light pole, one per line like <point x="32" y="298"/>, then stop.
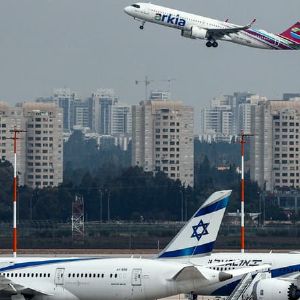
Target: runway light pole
<point x="243" y="142"/>
<point x="15" y="184"/>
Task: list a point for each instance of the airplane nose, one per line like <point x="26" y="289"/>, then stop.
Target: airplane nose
<point x="126" y="10"/>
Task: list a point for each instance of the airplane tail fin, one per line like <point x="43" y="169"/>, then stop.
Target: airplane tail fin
<point x="292" y="34"/>
<point x="199" y="234"/>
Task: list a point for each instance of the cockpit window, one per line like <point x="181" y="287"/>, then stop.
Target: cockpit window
<point x="136" y="5"/>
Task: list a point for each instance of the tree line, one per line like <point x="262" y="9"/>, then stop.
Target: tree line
<point x="113" y="190"/>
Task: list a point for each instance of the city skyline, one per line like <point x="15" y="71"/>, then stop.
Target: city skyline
<point x="52" y="44"/>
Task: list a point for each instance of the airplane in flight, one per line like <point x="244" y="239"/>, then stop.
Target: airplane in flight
<point x="122" y="278"/>
<point x="197" y="27"/>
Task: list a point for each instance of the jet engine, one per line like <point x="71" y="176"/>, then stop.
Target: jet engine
<point x="195" y="33"/>
<point x="275" y="289"/>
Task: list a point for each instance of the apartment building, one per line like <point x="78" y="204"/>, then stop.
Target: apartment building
<point x="40" y="147"/>
<point x="275" y="162"/>
<point x="162" y="139"/>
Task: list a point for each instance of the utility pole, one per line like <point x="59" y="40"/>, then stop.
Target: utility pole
<point x="243" y="142"/>
<point x="15" y="132"/>
<point x="101" y="207"/>
<point x="181" y="194"/>
<point x="108" y="205"/>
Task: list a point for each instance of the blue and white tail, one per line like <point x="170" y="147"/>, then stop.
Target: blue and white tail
<point x="199" y="234"/>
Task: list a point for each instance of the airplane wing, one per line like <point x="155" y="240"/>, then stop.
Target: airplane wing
<point x="219" y="33"/>
<point x="205" y="274"/>
<point x="8" y="286"/>
<point x="245" y="270"/>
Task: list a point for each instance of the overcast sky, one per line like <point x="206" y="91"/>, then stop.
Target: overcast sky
<point x="90" y="44"/>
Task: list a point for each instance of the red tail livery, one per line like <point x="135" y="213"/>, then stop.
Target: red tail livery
<point x="293" y="33"/>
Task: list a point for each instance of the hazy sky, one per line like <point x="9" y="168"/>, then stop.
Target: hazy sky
<point x="89" y="44"/>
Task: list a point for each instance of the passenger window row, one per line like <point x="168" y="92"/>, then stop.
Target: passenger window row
<point x="26" y="275"/>
<point x="90" y="275"/>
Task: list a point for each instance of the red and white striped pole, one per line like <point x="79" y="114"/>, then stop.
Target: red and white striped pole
<point x="242" y="193"/>
<point x="15" y="197"/>
<point x="15" y="184"/>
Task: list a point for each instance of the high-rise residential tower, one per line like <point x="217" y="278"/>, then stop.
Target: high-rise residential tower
<point x="162" y="139"/>
<point x="275" y="161"/>
<point x="101" y="104"/>
<point x="40" y="147"/>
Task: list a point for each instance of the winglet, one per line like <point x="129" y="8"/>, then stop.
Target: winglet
<point x="250" y="25"/>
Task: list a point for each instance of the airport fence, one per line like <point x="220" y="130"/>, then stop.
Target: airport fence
<point x="124" y="235"/>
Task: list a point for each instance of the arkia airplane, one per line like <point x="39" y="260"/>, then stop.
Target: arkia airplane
<point x="196" y="27"/>
<point x="122" y="278"/>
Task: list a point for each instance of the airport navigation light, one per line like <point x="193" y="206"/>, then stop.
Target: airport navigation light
<point x="15" y="132"/>
<point x="243" y="142"/>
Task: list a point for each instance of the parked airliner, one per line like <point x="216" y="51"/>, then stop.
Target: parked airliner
<point x="120" y="278"/>
<point x="279" y="281"/>
<point x="197" y="27"/>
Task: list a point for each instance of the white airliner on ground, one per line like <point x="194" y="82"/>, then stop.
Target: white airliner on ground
<point x="186" y="265"/>
<point x="197" y="27"/>
<point x="121" y="278"/>
<point x="280" y="280"/>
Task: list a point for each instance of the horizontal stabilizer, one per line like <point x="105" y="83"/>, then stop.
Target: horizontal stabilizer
<point x="201" y="274"/>
<point x="188" y="273"/>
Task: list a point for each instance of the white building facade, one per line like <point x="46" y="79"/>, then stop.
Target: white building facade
<point x="162" y="139"/>
<point x="40" y="147"/>
<point x="275" y="162"/>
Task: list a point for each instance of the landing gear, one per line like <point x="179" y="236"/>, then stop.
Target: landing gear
<point x="192" y="296"/>
<point x="212" y="44"/>
<point x="209" y="44"/>
<point x="142" y="26"/>
<point x="215" y="44"/>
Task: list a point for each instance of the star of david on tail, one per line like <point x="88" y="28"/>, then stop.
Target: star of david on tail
<point x="199" y="234"/>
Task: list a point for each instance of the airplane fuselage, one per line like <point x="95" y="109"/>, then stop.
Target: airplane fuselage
<point x="94" y="278"/>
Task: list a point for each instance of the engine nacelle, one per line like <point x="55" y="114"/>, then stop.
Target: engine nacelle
<point x="195" y="33"/>
<point x="275" y="289"/>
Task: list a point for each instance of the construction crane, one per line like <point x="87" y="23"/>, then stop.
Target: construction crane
<point x="170" y="80"/>
<point x="148" y="81"/>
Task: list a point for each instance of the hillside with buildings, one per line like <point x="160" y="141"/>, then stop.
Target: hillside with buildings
<point x="90" y="147"/>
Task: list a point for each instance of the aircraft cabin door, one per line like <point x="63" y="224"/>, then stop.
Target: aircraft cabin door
<point x="136" y="277"/>
<point x="59" y="276"/>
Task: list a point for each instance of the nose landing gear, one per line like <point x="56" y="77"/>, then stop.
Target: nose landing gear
<point x="142" y="26"/>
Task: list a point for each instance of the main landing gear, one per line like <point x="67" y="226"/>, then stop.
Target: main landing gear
<point x="212" y="44"/>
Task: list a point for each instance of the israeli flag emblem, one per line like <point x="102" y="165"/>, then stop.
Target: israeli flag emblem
<point x="197" y="232"/>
